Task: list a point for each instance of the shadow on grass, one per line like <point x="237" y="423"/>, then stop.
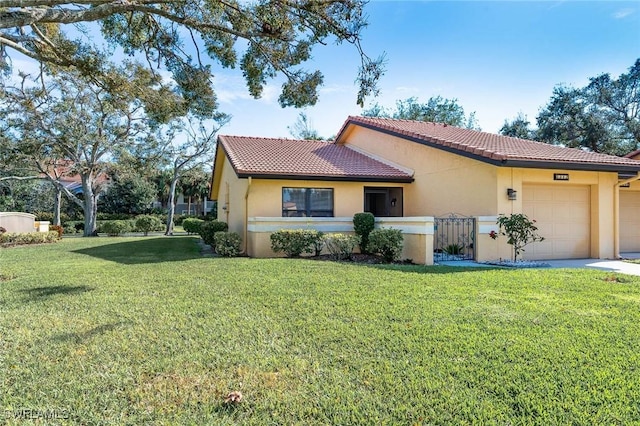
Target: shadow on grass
<point x="79" y="337"/>
<point x="146" y="250"/>
<point x="38" y="293"/>
<point x="432" y="269"/>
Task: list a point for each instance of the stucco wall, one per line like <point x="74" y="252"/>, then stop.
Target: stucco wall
<point x="231" y="200"/>
<point x="601" y="185"/>
<point x="417" y="233"/>
<point x="265" y="197"/>
<point x="18" y="222"/>
<point x="444" y="182"/>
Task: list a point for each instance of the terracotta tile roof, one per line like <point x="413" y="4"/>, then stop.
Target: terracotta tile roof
<point x="305" y="159"/>
<point x="633" y="154"/>
<point x="492" y="148"/>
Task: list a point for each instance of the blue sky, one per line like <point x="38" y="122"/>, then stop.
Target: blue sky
<point x="497" y="58"/>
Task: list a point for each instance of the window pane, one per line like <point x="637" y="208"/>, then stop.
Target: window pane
<point x="321" y="199"/>
<point x="293" y="201"/>
<point x="300" y="202"/>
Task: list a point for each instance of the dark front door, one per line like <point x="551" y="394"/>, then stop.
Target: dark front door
<point x="383" y="202"/>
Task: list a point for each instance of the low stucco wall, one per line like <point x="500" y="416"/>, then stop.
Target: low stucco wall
<point x="417" y="232"/>
<point x="18" y="222"/>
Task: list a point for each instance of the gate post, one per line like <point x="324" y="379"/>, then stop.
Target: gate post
<point x="486" y="247"/>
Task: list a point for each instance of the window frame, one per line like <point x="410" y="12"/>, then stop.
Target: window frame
<point x="307" y="211"/>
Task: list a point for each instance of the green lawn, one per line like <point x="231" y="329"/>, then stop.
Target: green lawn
<point x="146" y="331"/>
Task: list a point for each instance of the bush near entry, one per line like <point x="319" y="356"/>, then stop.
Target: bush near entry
<point x="386" y="242"/>
<point x="208" y="231"/>
<point x="294" y="242"/>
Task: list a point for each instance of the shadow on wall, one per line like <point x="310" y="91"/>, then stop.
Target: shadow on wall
<point x="147" y="250"/>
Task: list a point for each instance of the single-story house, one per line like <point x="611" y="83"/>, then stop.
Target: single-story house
<point x="630" y="212"/>
<point x="441" y="185"/>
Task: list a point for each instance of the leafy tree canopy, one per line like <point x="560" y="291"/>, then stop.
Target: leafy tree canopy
<point x="437" y="110"/>
<point x="602" y="117"/>
<point x="303" y="128"/>
<point x="265" y="38"/>
<point x="518" y="128"/>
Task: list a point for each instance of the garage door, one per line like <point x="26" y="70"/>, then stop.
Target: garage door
<point x="629" y="221"/>
<point x="563" y="218"/>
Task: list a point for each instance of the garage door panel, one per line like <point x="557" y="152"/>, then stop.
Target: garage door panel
<point x="629" y="221"/>
<point x="563" y="216"/>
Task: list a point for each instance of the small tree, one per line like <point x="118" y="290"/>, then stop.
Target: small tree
<point x="520" y="231"/>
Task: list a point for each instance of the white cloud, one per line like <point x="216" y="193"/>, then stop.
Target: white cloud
<point x="336" y="88"/>
<point x="230" y="89"/>
<point x="623" y="13"/>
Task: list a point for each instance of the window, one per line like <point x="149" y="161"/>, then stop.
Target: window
<point x="307" y="202"/>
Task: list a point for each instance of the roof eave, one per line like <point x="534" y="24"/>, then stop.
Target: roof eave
<point x="326" y="178"/>
<point x="597" y="167"/>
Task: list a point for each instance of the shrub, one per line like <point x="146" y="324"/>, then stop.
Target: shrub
<point x="146" y="223"/>
<point x="519" y="230"/>
<point x="318" y="243"/>
<point x="294" y="242"/>
<point x="114" y="216"/>
<point x="113" y="228"/>
<point x="227" y="243"/>
<point x="58" y="229"/>
<point x="15" y="239"/>
<point x="341" y="245"/>
<point x="192" y="225"/>
<point x="48" y="216"/>
<point x="178" y="219"/>
<point x="363" y="224"/>
<point x="386" y="242"/>
<point x="73" y="226"/>
<point x="453" y="249"/>
<point x="208" y="231"/>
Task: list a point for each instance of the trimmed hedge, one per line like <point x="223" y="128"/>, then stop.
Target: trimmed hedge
<point x="114" y="228"/>
<point x="147" y="223"/>
<point x="208" y="231"/>
<point x="24" y="238"/>
<point x="386" y="242"/>
<point x="341" y="246"/>
<point x="363" y="224"/>
<point x="192" y="225"/>
<point x="57" y="229"/>
<point x="294" y="242"/>
<point x="227" y="243"/>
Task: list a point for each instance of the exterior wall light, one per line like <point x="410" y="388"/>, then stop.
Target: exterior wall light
<point x="512" y="194"/>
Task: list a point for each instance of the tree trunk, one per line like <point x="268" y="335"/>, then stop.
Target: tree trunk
<point x="189" y="206"/>
<point x="171" y="205"/>
<point x="90" y="207"/>
<point x="57" y="203"/>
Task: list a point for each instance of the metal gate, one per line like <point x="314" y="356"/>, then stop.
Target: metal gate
<point x="454" y="238"/>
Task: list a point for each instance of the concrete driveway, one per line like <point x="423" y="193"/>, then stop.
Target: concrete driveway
<point x="601" y="264"/>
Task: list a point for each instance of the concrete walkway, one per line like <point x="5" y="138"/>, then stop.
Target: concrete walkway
<point x="600" y="264"/>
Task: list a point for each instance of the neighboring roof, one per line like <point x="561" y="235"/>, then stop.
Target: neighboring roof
<point x="491" y="148"/>
<point x="305" y="159"/>
<point x="633" y="154"/>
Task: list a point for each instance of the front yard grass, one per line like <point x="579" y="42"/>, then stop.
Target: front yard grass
<point x="146" y="331"/>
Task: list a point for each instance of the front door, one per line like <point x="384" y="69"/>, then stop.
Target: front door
<point x="383" y="202"/>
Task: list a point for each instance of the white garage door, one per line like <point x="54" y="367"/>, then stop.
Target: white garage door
<point x="563" y="218"/>
<point x="629" y="221"/>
